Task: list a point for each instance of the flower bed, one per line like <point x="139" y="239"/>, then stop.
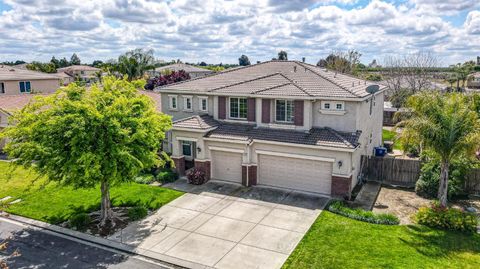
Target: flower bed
<point x="341" y="208"/>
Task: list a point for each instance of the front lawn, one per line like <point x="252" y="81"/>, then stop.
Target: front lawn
<point x="388" y="135"/>
<point x="54" y="203"/>
<point x="334" y="241"/>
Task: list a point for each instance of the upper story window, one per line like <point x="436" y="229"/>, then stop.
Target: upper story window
<point x="187" y="103"/>
<point x="2" y="87"/>
<point x="326" y="106"/>
<point x="172" y="102"/>
<point x="238" y="108"/>
<point x="284" y="110"/>
<point x="24" y="86"/>
<point x="332" y="107"/>
<point x="203" y="104"/>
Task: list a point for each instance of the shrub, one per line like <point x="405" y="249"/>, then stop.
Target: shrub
<point x="196" y="176"/>
<point x="137" y="212"/>
<point x="446" y="218"/>
<point x="362" y="215"/>
<point x="144" y="179"/>
<point x="427" y="184"/>
<point x="374" y="77"/>
<point x="167" y="176"/>
<point x="80" y="221"/>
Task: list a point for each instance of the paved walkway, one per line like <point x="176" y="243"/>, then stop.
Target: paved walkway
<point x="367" y="195"/>
<point x="226" y="226"/>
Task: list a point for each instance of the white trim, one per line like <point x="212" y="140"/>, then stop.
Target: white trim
<point x="296" y="156"/>
<point x="226" y="141"/>
<point x="344" y="176"/>
<point x="186" y="139"/>
<point x="193" y="130"/>
<point x="227" y="149"/>
<point x="185" y="98"/>
<point x="275" y="111"/>
<point x="202" y="160"/>
<point x="200" y="99"/>
<point x="170" y="102"/>
<point x="304" y="146"/>
<point x="229" y="110"/>
<point x="332" y="112"/>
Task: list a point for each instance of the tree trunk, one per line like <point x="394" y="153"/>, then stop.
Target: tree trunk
<point x="443" y="184"/>
<point x="106" y="213"/>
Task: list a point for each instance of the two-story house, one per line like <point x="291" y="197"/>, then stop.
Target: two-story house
<point x="282" y="124"/>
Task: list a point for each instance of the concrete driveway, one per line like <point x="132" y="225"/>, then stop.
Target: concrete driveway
<point x="221" y="225"/>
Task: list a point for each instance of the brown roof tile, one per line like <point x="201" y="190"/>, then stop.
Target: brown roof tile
<point x="200" y="122"/>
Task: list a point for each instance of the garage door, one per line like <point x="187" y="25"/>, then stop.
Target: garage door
<point x="227" y="166"/>
<point x="295" y="173"/>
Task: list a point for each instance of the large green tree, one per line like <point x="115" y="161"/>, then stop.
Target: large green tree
<point x="282" y="55"/>
<point x="445" y="124"/>
<point x="96" y="137"/>
<point x="134" y="63"/>
<point x="75" y="60"/>
<point x="243" y="60"/>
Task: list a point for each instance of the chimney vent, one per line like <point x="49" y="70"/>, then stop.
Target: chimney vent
<point x="294" y="68"/>
<point x="303" y="59"/>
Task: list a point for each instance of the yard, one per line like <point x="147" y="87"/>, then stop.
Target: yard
<point x="54" y="203"/>
<point x="388" y="135"/>
<point x="334" y="241"/>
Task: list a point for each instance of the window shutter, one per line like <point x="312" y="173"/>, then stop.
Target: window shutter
<point x="222" y="107"/>
<point x="266" y="110"/>
<point x="251" y="109"/>
<point x="298" y="112"/>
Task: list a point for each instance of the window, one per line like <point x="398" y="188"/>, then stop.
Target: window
<point x="187" y="103"/>
<point x="172" y="101"/>
<point x="2" y="87"/>
<point x="339" y="106"/>
<point x="187" y="148"/>
<point x="24" y="86"/>
<point x="203" y="103"/>
<point x="326" y="106"/>
<point x="284" y="110"/>
<point x="238" y="108"/>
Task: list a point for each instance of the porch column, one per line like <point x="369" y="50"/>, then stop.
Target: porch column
<point x="341" y="186"/>
<point x="179" y="165"/>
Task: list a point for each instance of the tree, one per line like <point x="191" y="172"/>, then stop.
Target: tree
<point x="134" y="63"/>
<point x="462" y="73"/>
<point x="63" y="62"/>
<point x="203" y="64"/>
<point x="343" y="62"/>
<point x="243" y="60"/>
<point x="102" y="136"/>
<point x="74" y="60"/>
<point x="55" y="62"/>
<point x="97" y="63"/>
<point x="282" y="56"/>
<point x="446" y="125"/>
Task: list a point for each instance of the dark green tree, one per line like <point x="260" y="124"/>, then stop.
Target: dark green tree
<point x="74" y="60"/>
<point x="282" y="56"/>
<point x="243" y="60"/>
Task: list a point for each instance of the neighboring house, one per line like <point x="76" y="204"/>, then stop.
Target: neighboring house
<point x="85" y="73"/>
<point x="284" y="124"/>
<point x="65" y="78"/>
<point x="193" y="71"/>
<point x="20" y="81"/>
<point x="474" y="81"/>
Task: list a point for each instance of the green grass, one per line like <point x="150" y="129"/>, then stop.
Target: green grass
<point x="391" y="136"/>
<point x="339" y="242"/>
<point x="53" y="203"/>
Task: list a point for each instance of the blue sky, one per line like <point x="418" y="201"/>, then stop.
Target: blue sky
<point x="220" y="31"/>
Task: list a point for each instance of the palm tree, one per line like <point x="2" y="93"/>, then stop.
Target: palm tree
<point x="134" y="63"/>
<point x="445" y="124"/>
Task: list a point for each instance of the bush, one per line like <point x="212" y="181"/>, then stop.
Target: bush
<point x="137" y="212"/>
<point x="80" y="221"/>
<point x="167" y="176"/>
<point x="427" y="184"/>
<point x="441" y="217"/>
<point x="362" y="215"/>
<point x="144" y="179"/>
<point x="196" y="176"/>
<point x="374" y="77"/>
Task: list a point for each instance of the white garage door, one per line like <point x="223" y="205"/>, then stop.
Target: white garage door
<point x="227" y="166"/>
<point x="295" y="173"/>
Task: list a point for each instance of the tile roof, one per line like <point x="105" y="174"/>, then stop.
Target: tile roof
<point x="285" y="78"/>
<point x="155" y="97"/>
<point x="181" y="66"/>
<point x="200" y="122"/>
<point x="73" y="68"/>
<point x="11" y="103"/>
<point x="315" y="136"/>
<point x="11" y="73"/>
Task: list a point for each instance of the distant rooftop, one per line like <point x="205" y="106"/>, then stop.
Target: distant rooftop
<point x="78" y="68"/>
<point x="11" y="73"/>
<point x="181" y="66"/>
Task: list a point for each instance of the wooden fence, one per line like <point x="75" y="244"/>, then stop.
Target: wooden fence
<point x="405" y="172"/>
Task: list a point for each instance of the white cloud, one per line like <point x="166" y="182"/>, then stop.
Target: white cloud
<point x="219" y="31"/>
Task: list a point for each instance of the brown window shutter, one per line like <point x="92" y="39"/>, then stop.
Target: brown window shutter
<point x="266" y="110"/>
<point x="251" y="109"/>
<point x="222" y="107"/>
<point x="298" y="112"/>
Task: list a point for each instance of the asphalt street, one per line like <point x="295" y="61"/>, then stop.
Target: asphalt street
<point x="44" y="249"/>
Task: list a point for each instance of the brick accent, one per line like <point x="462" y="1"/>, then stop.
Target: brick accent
<point x="341" y="186"/>
<point x="222" y="107"/>
<point x="266" y="110"/>
<point x="244" y="175"/>
<point x="179" y="165"/>
<point x="298" y="112"/>
<point x="252" y="175"/>
<point x="251" y="109"/>
<point x="205" y="166"/>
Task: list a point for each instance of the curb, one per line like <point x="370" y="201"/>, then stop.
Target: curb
<point x="109" y="244"/>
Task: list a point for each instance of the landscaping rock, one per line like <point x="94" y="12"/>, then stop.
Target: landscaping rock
<point x="16" y="201"/>
<point x="5" y="198"/>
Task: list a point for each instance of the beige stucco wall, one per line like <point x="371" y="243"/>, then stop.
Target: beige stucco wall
<point x="370" y="124"/>
<point x="179" y="113"/>
<point x="38" y="86"/>
<point x="344" y="123"/>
